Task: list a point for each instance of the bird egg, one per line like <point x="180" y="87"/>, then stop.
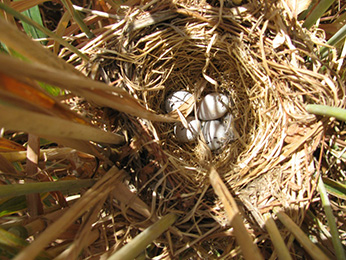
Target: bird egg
<point x="213" y="106"/>
<point x="189" y="134"/>
<point x="176" y="99"/>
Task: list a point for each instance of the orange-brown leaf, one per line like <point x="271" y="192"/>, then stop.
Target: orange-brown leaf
<point x="9" y="146"/>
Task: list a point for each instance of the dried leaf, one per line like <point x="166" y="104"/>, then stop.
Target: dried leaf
<point x="9" y="146"/>
<point x="298" y="6"/>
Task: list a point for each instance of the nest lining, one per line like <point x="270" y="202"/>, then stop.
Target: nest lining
<point x="271" y="163"/>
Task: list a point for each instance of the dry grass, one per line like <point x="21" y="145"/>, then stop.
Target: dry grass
<point x="271" y="163"/>
<point x="259" y="56"/>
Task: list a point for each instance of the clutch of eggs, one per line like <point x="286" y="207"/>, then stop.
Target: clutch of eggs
<point x="213" y="106"/>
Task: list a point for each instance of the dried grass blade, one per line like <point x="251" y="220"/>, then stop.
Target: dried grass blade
<point x="248" y="248"/>
<point x="26" y="94"/>
<point x="60" y="29"/>
<point x="123" y="194"/>
<point x="33" y="200"/>
<point x="100" y="190"/>
<point x="86" y="236"/>
<point x="10" y="146"/>
<point x="77" y="18"/>
<point x="310" y="247"/>
<point x="48" y="126"/>
<point x="80" y="145"/>
<point x="139" y="243"/>
<point x="98" y="92"/>
<point x="23" y="5"/>
<point x="50" y="154"/>
<point x="70" y="252"/>
<point x="279" y="244"/>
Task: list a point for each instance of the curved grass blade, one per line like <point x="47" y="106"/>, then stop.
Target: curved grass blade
<point x="9" y="146"/>
<point x="22" y="5"/>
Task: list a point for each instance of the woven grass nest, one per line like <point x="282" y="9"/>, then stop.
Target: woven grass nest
<point x="257" y="55"/>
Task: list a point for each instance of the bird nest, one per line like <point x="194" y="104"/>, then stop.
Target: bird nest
<point x="262" y="59"/>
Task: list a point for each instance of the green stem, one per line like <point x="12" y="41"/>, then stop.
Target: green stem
<point x="334" y="40"/>
<point x="39" y="187"/>
<point x="317" y="12"/>
<point x="339" y="250"/>
<point x="323" y="110"/>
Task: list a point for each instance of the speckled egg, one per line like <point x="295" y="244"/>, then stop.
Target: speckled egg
<point x="213" y="106"/>
<point x="176" y="99"/>
<point x="189" y="134"/>
<point x="215" y="134"/>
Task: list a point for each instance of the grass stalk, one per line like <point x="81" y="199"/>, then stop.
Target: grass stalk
<point x="140" y="242"/>
<point x="68" y="186"/>
<point x="248" y="247"/>
<point x="339" y="250"/>
<point x="77" y="18"/>
<point x="323" y="110"/>
<point x="99" y="190"/>
<point x="309" y="246"/>
<point x="316" y="13"/>
<point x="50" y="154"/>
<point x="276" y="238"/>
<point x="334" y="40"/>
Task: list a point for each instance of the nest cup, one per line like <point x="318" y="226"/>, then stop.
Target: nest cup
<point x="184" y="54"/>
<point x="163" y="49"/>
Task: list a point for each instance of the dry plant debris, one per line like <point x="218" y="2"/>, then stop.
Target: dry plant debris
<point x="257" y="54"/>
